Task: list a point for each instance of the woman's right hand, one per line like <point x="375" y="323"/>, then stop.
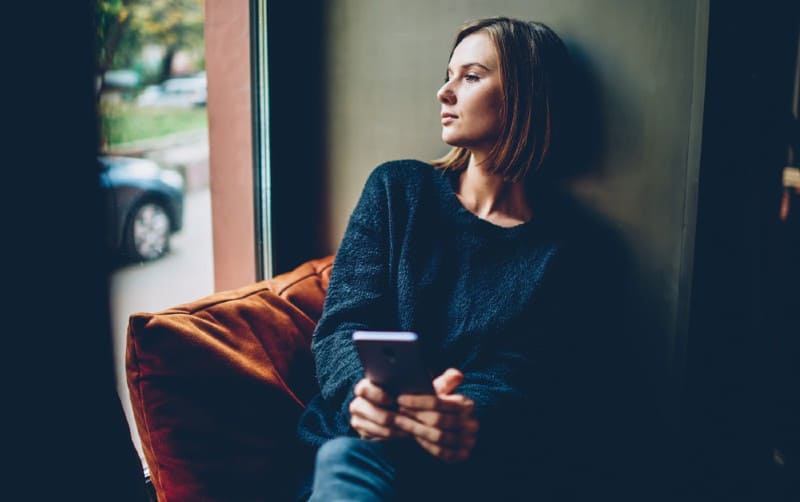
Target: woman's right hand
<point x="370" y="412"/>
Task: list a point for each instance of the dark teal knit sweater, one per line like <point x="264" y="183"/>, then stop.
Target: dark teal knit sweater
<point x="414" y="259"/>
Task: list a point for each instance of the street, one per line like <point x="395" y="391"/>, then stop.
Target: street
<point x="186" y="273"/>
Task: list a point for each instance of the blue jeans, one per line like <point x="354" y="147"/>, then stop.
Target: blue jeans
<point x="352" y="469"/>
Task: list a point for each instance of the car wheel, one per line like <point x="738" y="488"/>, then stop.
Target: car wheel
<point x="148" y="231"/>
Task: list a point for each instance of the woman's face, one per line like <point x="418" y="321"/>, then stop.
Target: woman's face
<point x="472" y="97"/>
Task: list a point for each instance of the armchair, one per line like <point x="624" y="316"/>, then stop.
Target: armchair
<point x="217" y="385"/>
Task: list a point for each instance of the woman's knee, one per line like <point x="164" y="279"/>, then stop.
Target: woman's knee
<point x="340" y="451"/>
<point x="353" y="469"/>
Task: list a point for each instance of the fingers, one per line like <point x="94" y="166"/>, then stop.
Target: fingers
<point x="450" y="438"/>
<point x="372" y="421"/>
<point x="437" y="427"/>
<point x="462" y="424"/>
<point x="448" y="381"/>
<point x="365" y="409"/>
<point x="371" y="430"/>
<point x="445" y="425"/>
<point x="371" y="392"/>
<point x="449" y="455"/>
<point x="454" y="403"/>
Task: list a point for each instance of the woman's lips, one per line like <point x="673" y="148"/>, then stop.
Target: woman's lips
<point x="448" y="117"/>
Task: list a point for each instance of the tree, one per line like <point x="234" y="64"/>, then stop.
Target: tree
<point x="112" y="18"/>
<point x="173" y="24"/>
<point x="125" y="26"/>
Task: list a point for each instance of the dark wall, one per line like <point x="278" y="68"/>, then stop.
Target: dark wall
<point x="741" y="407"/>
<point x="62" y="416"/>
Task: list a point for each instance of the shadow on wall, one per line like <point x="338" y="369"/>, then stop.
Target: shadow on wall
<point x="598" y="115"/>
<point x="608" y="369"/>
<point x="642" y="310"/>
<point x="582" y="153"/>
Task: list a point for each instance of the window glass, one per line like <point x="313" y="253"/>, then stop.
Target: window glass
<point x="153" y="160"/>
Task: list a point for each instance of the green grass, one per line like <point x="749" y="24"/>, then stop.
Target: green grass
<point x="123" y="122"/>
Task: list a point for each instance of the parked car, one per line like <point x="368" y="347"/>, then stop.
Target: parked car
<point x="182" y="92"/>
<point x="144" y="204"/>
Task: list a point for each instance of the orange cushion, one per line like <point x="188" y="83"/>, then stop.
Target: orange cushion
<point x="217" y="384"/>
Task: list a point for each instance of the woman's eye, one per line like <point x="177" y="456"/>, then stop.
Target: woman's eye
<point x="470" y="77"/>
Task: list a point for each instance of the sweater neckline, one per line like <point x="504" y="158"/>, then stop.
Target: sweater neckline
<point x="448" y="179"/>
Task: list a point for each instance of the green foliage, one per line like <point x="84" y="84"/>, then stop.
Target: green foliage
<point x="125" y="26"/>
<point x="176" y="24"/>
<point x="111" y="16"/>
<point x="124" y="122"/>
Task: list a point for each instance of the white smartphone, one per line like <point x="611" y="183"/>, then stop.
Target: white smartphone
<point x="392" y="360"/>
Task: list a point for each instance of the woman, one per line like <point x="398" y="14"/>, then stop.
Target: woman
<point x="460" y="252"/>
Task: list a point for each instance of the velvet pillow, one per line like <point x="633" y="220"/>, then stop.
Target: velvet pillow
<point x="217" y="384"/>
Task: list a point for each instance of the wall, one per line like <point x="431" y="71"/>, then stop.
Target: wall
<point x="646" y="62"/>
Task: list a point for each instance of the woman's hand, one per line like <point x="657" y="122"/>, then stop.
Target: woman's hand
<point x="443" y="424"/>
<point x="370" y="412"/>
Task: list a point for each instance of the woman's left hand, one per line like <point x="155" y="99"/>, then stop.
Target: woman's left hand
<point x="443" y="424"/>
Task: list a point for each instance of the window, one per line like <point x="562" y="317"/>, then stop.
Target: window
<point x="153" y="160"/>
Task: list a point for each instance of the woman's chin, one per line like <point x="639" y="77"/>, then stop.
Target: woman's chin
<point x="450" y="139"/>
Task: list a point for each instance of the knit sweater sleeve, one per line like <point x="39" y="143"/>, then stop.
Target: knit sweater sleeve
<point x="356" y="300"/>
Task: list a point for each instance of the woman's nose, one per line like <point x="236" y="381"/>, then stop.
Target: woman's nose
<point x="445" y="94"/>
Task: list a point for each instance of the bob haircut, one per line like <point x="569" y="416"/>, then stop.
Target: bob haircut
<point x="533" y="62"/>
